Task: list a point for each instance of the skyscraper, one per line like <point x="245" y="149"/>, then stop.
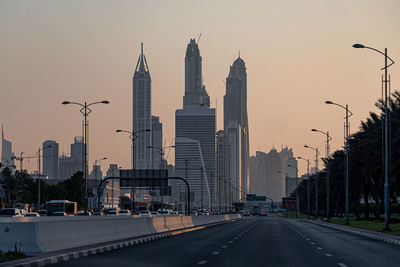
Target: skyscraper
<point x="195" y="152"/>
<point x="142" y="113"/>
<point x="50" y="159"/>
<point x="156" y="139"/>
<point x="235" y="110"/>
<point x="195" y="91"/>
<point x="7" y="157"/>
<point x="195" y="135"/>
<point x="70" y="165"/>
<point x="223" y="177"/>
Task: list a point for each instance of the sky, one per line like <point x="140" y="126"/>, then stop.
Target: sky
<point x="298" y="54"/>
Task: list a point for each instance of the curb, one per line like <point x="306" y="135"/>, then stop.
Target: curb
<point x="355" y="231"/>
<point x="58" y="258"/>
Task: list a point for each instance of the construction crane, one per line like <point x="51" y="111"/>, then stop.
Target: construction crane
<point x="21" y="159"/>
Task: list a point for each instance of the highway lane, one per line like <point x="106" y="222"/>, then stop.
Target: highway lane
<point x="256" y="241"/>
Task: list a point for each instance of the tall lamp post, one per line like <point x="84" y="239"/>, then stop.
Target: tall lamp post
<point x="308" y="185"/>
<point x="85" y="110"/>
<point x="133" y="136"/>
<point x="328" y="138"/>
<point x="39" y="180"/>
<point x="386" y="186"/>
<point x="347" y="133"/>
<point x="297" y="192"/>
<point x="316" y="177"/>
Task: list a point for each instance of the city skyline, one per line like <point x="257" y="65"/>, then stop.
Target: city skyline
<point x="306" y="67"/>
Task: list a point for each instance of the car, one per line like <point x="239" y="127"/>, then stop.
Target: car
<point x="10" y="212"/>
<point x="145" y="213"/>
<point x="42" y="212"/>
<point x="246" y="213"/>
<point x="84" y="213"/>
<point x="32" y="214"/>
<point x="112" y="213"/>
<point x="124" y="212"/>
<point x="154" y="213"/>
<point x="163" y="212"/>
<point x="98" y="213"/>
<point x="59" y="213"/>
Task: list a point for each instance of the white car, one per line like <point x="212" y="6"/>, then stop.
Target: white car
<point x="124" y="212"/>
<point x="32" y="214"/>
<point x="10" y="212"/>
<point x="145" y="213"/>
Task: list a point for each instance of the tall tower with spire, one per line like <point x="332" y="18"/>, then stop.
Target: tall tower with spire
<point x="235" y="111"/>
<point x="195" y="91"/>
<point x="142" y="113"/>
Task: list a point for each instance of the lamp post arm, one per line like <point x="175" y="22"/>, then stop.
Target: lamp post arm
<point x="380" y="52"/>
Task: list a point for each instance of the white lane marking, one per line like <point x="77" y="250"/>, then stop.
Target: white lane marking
<point x="215" y="253"/>
<point x="312" y="243"/>
<point x="328" y="255"/>
<point x="236" y="238"/>
<point x="308" y="239"/>
<point x="230" y="242"/>
<point x="342" y="264"/>
<point x="224" y="246"/>
<point x="202" y="262"/>
<point x="319" y="248"/>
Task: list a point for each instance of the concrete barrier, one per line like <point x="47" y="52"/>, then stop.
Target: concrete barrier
<point x="47" y="234"/>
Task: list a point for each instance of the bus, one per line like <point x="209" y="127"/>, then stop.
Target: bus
<point x="69" y="207"/>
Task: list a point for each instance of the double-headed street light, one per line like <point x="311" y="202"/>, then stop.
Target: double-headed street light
<point x="386" y="186"/>
<point x="316" y="177"/>
<point x="308" y="185"/>
<point x="347" y="134"/>
<point x="328" y="138"/>
<point x="297" y="191"/>
<point x="133" y="136"/>
<point x="85" y="110"/>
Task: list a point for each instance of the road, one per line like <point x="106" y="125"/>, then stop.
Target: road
<point x="256" y="241"/>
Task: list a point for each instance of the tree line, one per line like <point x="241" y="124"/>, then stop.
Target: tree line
<point x="20" y="187"/>
<point x="366" y="168"/>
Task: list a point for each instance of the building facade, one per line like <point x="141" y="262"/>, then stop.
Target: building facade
<point x="223" y="177"/>
<point x="157" y="143"/>
<point x="7" y="156"/>
<point x="235" y="111"/>
<point x="50" y="159"/>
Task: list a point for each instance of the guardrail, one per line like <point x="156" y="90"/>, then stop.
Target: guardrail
<point x="47" y="234"/>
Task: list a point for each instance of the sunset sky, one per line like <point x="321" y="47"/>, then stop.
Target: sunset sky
<point x="298" y="54"/>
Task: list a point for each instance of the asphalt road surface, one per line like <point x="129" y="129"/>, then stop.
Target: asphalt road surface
<point x="256" y="241"/>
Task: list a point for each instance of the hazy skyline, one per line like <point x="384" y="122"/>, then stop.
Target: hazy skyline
<point x="298" y="54"/>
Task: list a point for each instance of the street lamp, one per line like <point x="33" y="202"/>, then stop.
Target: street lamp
<point x="308" y="185"/>
<point x="347" y="133"/>
<point x="38" y="153"/>
<point x="328" y="138"/>
<point x="85" y="110"/>
<point x="386" y="186"/>
<point x="316" y="177"/>
<point x="132" y="136"/>
<point x="297" y="192"/>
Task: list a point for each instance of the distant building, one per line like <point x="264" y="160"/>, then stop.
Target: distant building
<point x="113" y="192"/>
<point x="142" y="113"/>
<point x="235" y="111"/>
<point x="270" y="175"/>
<point x="50" y="159"/>
<point x="156" y="139"/>
<point x="70" y="165"/>
<point x="96" y="173"/>
<point x="195" y="136"/>
<point x="195" y="91"/>
<point x="223" y="177"/>
<point x="195" y="146"/>
<point x="7" y="156"/>
<point x="234" y="134"/>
